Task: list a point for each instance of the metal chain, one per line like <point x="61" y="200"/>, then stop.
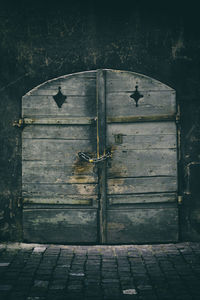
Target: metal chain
<point x="94" y="160"/>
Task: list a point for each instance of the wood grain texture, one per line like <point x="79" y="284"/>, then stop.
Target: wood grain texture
<point x="153" y="103"/>
<point x="119" y="81"/>
<point x="76" y="84"/>
<point x="142" y="225"/>
<point x="142" y="185"/>
<point x="80" y="90"/>
<point x="150" y="128"/>
<point x="136" y="163"/>
<point x="57" y="190"/>
<point x="158" y="99"/>
<point x="142" y="198"/>
<point x="54" y="149"/>
<point x="60" y="225"/>
<point x="35" y="106"/>
<point x="44" y="172"/>
<point x="68" y="132"/>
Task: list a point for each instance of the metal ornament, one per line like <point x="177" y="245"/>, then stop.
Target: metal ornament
<point x="136" y="95"/>
<point x="59" y="98"/>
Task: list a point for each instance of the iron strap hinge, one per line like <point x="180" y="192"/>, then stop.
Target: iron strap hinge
<point x="20" y="123"/>
<point x="180" y="200"/>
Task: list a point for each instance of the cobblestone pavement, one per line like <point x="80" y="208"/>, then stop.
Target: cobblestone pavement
<point x="57" y="272"/>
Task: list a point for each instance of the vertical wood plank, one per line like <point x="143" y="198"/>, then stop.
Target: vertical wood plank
<point x="101" y="150"/>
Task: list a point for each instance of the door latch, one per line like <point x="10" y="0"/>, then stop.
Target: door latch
<point x="118" y="138"/>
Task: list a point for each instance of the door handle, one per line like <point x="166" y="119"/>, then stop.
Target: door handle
<point x="95" y="160"/>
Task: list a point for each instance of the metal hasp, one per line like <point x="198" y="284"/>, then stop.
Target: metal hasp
<point x="59" y="98"/>
<point x="94" y="160"/>
<point x="136" y="95"/>
<point x="118" y="138"/>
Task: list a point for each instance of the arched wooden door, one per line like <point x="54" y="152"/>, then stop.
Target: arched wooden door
<point x="100" y="160"/>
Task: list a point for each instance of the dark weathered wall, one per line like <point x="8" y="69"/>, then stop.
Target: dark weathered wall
<point x="39" y="43"/>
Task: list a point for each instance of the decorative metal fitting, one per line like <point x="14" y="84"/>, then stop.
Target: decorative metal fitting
<point x="59" y="98"/>
<point x="136" y="95"/>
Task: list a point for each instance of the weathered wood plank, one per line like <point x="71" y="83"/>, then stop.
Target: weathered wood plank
<point x="46" y="106"/>
<point x="134" y="163"/>
<point x="150" y="128"/>
<point x="139" y="119"/>
<point x="42" y="172"/>
<point x="144" y="141"/>
<point x="68" y="132"/>
<point x="60" y="225"/>
<point x="142" y="225"/>
<point x="52" y="150"/>
<point x="57" y="121"/>
<point x="67" y="201"/>
<point x="119" y="81"/>
<point x="142" y="185"/>
<point x="45" y="168"/>
<point x="73" y="84"/>
<point x="101" y="150"/>
<point x="57" y="190"/>
<point x="153" y="104"/>
<point x="142" y="198"/>
<point x="52" y="176"/>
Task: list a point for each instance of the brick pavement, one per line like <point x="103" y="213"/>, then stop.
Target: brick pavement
<point x="57" y="272"/>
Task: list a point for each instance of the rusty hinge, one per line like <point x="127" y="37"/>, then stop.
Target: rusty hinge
<point x="19" y="202"/>
<point x="180" y="200"/>
<point x="19" y="123"/>
<point x="178" y="114"/>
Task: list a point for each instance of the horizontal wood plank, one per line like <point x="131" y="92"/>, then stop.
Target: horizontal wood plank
<point x="119" y="81"/>
<point x="152" y="104"/>
<point x="149" y="129"/>
<point x="65" y="201"/>
<point x="44" y="168"/>
<point x="144" y="141"/>
<point x="68" y="132"/>
<point x="57" y="190"/>
<point x="142" y="225"/>
<point x="73" y="106"/>
<point x="142" y="185"/>
<point x="142" y="198"/>
<point x="149" y="162"/>
<point x="80" y="84"/>
<point x="142" y="119"/>
<point x="60" y="225"/>
<point x="57" y="121"/>
<point x="55" y="150"/>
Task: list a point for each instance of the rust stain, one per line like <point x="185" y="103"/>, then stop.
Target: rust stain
<point x="82" y="167"/>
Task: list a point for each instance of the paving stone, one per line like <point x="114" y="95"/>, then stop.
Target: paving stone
<point x="37" y="272"/>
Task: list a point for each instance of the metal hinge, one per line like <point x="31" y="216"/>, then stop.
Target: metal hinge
<point x="19" y="202"/>
<point x="180" y="200"/>
<point x="19" y="123"/>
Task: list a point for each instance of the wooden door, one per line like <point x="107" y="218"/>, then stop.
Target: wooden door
<point x="59" y="190"/>
<point x="128" y="198"/>
<point x="142" y="175"/>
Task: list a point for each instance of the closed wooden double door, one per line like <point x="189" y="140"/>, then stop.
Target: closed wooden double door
<point x="99" y="160"/>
